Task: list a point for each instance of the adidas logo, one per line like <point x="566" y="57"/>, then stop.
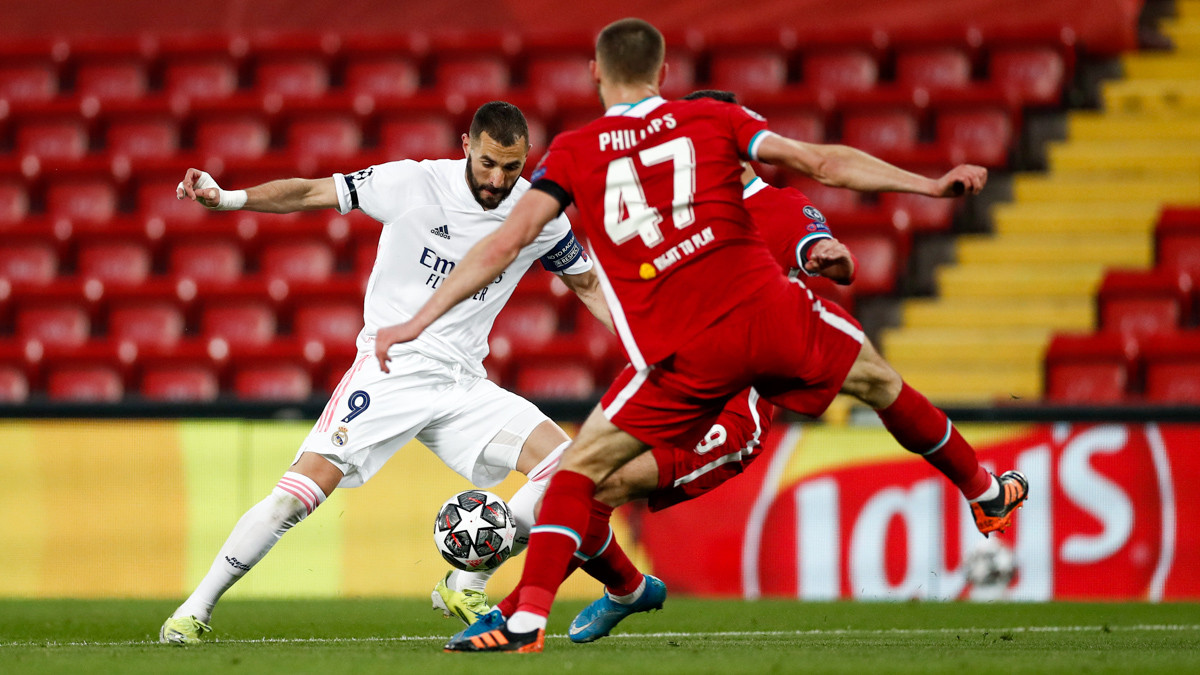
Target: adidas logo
<point x="443" y="231"/>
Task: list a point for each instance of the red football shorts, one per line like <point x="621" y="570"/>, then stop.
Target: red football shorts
<point x="727" y="449"/>
<point x="794" y="349"/>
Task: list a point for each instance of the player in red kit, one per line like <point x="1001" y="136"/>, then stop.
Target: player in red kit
<point x="697" y="300"/>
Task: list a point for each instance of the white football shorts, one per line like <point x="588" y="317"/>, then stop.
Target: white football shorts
<point x="475" y="427"/>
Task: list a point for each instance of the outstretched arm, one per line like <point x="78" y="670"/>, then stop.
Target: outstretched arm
<point x="479" y="267"/>
<point x="277" y="196"/>
<point x="843" y="166"/>
<point x="587" y="287"/>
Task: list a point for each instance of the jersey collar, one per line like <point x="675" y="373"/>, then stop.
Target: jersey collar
<point x="639" y="109"/>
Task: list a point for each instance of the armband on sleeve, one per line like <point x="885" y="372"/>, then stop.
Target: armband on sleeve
<point x="806" y="245"/>
<point x="554" y="190"/>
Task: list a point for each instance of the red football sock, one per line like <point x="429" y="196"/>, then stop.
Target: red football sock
<point x="610" y="566"/>
<point x="566" y="512"/>
<point x="921" y="428"/>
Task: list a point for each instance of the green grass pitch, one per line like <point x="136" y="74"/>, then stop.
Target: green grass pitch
<point x="688" y="636"/>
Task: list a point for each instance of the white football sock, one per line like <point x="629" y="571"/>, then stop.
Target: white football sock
<point x="294" y="497"/>
<point x="523" y="505"/>
<point x="523" y="622"/>
<point x="632" y="597"/>
<point x="992" y="492"/>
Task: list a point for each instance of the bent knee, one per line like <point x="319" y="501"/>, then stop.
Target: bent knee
<point x="873" y="381"/>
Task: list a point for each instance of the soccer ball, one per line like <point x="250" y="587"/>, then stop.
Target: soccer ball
<point x="475" y="531"/>
<point x="991" y="565"/>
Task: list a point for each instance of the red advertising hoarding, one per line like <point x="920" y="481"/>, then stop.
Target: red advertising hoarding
<point x="1105" y="521"/>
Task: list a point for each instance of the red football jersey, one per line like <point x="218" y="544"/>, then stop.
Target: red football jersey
<point x="658" y="188"/>
<point x="787" y="221"/>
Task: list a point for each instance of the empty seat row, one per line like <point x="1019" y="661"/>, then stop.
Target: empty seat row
<point x="1109" y="368"/>
<point x="1028" y="73"/>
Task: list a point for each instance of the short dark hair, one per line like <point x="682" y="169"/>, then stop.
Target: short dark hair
<point x="630" y="50"/>
<point x="503" y="121"/>
<point x="718" y="94"/>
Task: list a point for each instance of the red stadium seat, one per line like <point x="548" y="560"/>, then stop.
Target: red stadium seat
<point x="933" y="68"/>
<point x="14" y="203"/>
<point x="749" y="72"/>
<point x="976" y="136"/>
<point x="232" y="137"/>
<point x="14" y="387"/>
<point x="1089" y="369"/>
<point x="84" y="384"/>
<point x="180" y="382"/>
<point x="326" y="136"/>
<point x="1035" y="75"/>
<point x="880" y="131"/>
<point x="848" y="70"/>
<point x="272" y="382"/>
<point x="879" y="260"/>
<point x="215" y="260"/>
<point x="114" y="262"/>
<point x="28" y="82"/>
<point x="801" y="125"/>
<point x="244" y="323"/>
<point x="143" y="138"/>
<point x="382" y="77"/>
<point x="202" y="78"/>
<point x="918" y="212"/>
<point x="832" y="201"/>
<point x="111" y="80"/>
<point x="156" y="199"/>
<point x="328" y="322"/>
<point x="566" y="75"/>
<point x="523" y="326"/>
<point x="555" y="381"/>
<point x="311" y="261"/>
<point x="292" y="76"/>
<point x="146" y="323"/>
<point x="1172" y="365"/>
<point x="53" y="324"/>
<point x="681" y="74"/>
<point x="417" y="138"/>
<point x="1178" y="238"/>
<point x="1143" y="303"/>
<point x="28" y="262"/>
<point x="472" y="76"/>
<point x="52" y="139"/>
<point x="85" y="200"/>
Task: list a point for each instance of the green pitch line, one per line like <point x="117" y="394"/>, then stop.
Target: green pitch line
<point x="688" y="636"/>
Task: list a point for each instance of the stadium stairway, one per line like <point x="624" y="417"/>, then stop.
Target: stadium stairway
<point x="983" y="339"/>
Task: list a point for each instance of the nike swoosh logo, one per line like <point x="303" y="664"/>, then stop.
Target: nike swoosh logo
<point x="576" y="631"/>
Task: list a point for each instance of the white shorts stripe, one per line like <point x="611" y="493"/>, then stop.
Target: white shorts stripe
<point x="736" y="455"/>
<point x="626" y="393"/>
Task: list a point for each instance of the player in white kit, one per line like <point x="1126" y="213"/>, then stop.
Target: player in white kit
<point x="435" y="390"/>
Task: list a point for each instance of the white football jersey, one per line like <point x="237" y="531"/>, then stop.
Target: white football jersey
<point x="430" y="221"/>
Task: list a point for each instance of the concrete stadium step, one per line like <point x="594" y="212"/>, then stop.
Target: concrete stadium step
<point x="1086" y="126"/>
<point x="987" y="281"/>
<point x="921" y="347"/>
<point x="1075" y="218"/>
<point x="975" y="385"/>
<point x="1077" y="314"/>
<point x="1187" y="10"/>
<point x="1151" y="97"/>
<point x="1161" y="66"/>
<point x="1184" y="33"/>
<point x="1054" y="250"/>
<point x="1180" y="187"/>
<point x="1118" y="154"/>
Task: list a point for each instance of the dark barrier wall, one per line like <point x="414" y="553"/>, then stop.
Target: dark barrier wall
<point x="1102" y="25"/>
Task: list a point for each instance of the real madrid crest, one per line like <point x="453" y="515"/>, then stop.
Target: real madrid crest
<point x="341" y="436"/>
